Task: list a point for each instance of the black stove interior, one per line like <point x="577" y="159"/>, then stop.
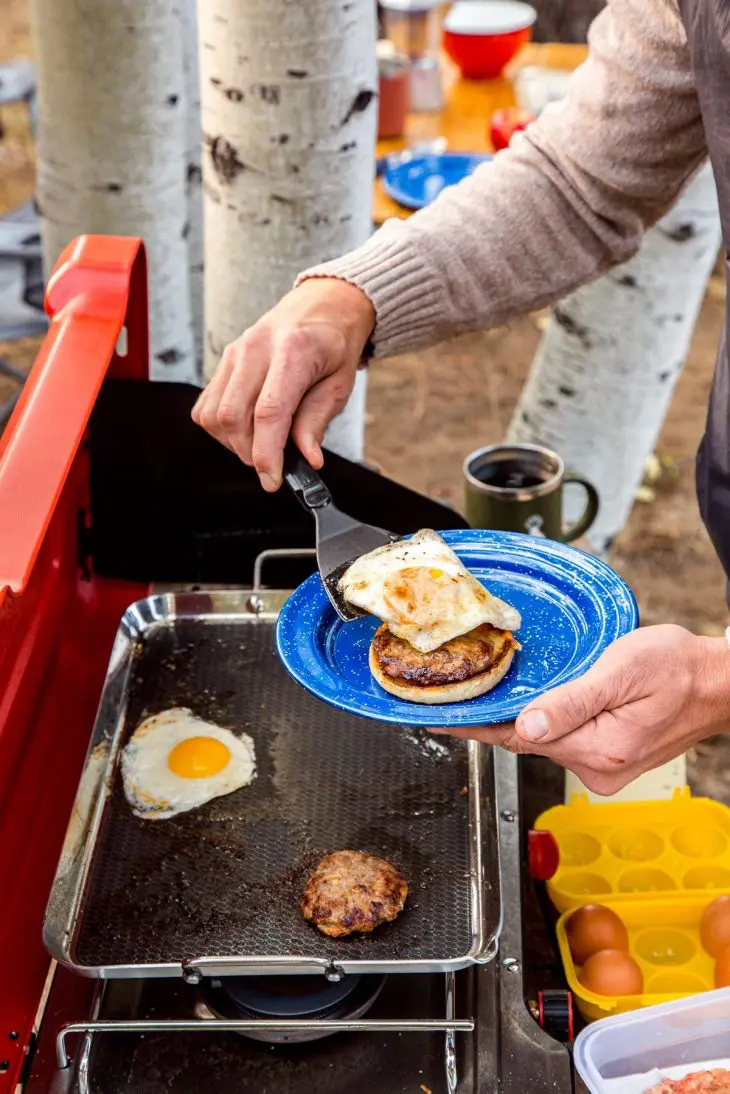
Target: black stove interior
<point x="179" y="507"/>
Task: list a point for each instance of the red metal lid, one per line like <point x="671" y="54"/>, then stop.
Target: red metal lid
<point x="89" y="301"/>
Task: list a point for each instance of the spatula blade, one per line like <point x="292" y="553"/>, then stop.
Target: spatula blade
<point x="340" y="539"/>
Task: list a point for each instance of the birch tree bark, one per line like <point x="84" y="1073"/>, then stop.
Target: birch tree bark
<point x="604" y="374"/>
<point x="289" y="123"/>
<point x="112" y="147"/>
<point x="193" y="177"/>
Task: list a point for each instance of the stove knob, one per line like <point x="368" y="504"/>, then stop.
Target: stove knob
<point x="543" y="855"/>
<point x="555" y="1014"/>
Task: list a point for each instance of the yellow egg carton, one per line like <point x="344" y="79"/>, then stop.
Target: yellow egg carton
<point x="621" y="852"/>
<point x="664" y="939"/>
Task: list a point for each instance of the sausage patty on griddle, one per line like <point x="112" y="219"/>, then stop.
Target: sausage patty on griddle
<point x="459" y="659"/>
<point x="351" y="891"/>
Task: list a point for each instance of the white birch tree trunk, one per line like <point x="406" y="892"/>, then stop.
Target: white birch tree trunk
<point x="604" y="374"/>
<point x="112" y="147"/>
<point x="289" y="125"/>
<point x="194" y="177"/>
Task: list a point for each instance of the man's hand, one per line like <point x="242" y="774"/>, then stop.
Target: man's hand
<point x="650" y="697"/>
<point x="291" y="372"/>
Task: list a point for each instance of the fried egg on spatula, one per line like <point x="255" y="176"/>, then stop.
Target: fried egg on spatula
<point x="445" y="638"/>
<point x="174" y="762"/>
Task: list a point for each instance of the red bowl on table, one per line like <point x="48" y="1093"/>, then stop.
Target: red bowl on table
<point x="482" y="36"/>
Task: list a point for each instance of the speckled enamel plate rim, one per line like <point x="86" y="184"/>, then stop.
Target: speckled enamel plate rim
<point x="573" y="605"/>
<point x="406" y="182"/>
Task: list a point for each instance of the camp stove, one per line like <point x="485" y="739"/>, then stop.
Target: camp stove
<point x="110" y="497"/>
<point x="463" y="1032"/>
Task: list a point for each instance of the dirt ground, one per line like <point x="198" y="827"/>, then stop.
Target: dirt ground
<point x="419" y="436"/>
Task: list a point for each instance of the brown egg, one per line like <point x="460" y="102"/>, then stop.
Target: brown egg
<point x="715" y="926"/>
<point x="612" y="972"/>
<point x="593" y="928"/>
<point x="722" y="969"/>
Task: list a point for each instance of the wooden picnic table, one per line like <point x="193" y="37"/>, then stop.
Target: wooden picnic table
<point x="468" y="108"/>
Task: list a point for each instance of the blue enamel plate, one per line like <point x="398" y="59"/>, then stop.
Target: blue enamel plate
<point x="573" y="606"/>
<point x="419" y="181"/>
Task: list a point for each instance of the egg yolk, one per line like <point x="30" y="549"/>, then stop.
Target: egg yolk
<point x="198" y="758"/>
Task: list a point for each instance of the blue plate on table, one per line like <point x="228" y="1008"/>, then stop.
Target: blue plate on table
<point x="419" y="181"/>
<point x="573" y="606"/>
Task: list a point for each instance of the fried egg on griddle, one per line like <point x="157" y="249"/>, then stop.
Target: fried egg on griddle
<point x="174" y="762"/>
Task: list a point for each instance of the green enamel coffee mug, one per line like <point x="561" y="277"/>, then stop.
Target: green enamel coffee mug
<point x="519" y="488"/>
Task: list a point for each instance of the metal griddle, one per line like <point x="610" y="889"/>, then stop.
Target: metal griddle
<point x="216" y="891"/>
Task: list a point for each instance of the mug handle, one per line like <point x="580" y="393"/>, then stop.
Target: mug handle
<point x="589" y="514"/>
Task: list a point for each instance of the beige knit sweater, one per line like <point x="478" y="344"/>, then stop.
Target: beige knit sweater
<point x="569" y="199"/>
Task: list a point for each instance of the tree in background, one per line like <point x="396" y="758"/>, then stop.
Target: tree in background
<point x="112" y="147"/>
<point x="289" y="112"/>
<point x="194" y="177"/>
<point x="603" y="377"/>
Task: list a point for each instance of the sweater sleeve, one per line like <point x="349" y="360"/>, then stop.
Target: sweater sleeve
<point x="568" y="200"/>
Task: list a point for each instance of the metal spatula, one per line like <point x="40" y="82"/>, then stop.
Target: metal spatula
<point x="340" y="539"/>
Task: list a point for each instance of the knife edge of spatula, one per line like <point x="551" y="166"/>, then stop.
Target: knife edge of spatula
<point x="340" y="539"/>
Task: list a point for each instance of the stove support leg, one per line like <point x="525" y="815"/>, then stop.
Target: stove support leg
<point x="82" y="1068"/>
<point x="75" y="1075"/>
<point x="452" y="1074"/>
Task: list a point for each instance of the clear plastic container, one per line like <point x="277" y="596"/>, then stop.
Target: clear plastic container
<point x="414" y="28"/>
<point x="631" y="1053"/>
<point x="536" y="87"/>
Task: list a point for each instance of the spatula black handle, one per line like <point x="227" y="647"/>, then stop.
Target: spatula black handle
<point x="303" y="480"/>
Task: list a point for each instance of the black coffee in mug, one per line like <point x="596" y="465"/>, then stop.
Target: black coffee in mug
<point x="509" y="475"/>
<point x="519" y="488"/>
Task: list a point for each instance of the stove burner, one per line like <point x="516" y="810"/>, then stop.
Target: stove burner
<point x="287" y="996"/>
<point x="303" y="997"/>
